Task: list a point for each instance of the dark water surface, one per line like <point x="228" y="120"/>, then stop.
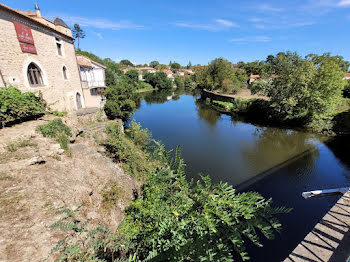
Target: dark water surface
<point x="278" y="163"/>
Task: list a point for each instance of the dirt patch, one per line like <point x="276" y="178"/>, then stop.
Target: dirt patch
<point x="37" y="179"/>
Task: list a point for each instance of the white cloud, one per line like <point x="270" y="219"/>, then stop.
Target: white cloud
<point x="100" y="23"/>
<point x="252" y="39"/>
<point x="218" y="25"/>
<point x="344" y="3"/>
<point x="99" y="35"/>
<point x="226" y="23"/>
<point x="269" y="8"/>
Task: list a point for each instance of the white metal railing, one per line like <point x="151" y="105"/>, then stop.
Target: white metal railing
<point x="89" y="84"/>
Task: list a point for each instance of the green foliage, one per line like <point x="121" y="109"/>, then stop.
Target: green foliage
<point x="179" y="82"/>
<point x="78" y="33"/>
<point x="120" y="103"/>
<point x="15" y="105"/>
<point x="123" y="150"/>
<point x="59" y="131"/>
<point x="188" y="82"/>
<point x="59" y="114"/>
<point x="142" y="86"/>
<point x="158" y="80"/>
<point x="175" y="66"/>
<point x="141" y="137"/>
<point x="154" y="64"/>
<point x="111" y="194"/>
<point x="175" y="220"/>
<point x="219" y="70"/>
<point x="303" y="89"/>
<point x="126" y="62"/>
<point x="132" y="76"/>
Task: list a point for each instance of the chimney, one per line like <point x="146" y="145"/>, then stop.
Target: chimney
<point x="37" y="10"/>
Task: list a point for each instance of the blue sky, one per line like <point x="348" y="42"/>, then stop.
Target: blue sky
<point x="199" y="31"/>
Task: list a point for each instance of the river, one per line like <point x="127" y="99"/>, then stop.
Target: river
<point x="278" y="163"/>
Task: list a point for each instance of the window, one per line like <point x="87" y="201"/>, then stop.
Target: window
<point x="59" y="49"/>
<point x="34" y="75"/>
<point x="65" y="73"/>
<point x="93" y="92"/>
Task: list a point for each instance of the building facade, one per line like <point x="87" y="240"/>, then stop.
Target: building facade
<point x="38" y="55"/>
<point x="93" y="79"/>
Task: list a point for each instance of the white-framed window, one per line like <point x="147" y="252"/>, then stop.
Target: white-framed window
<point x="34" y="75"/>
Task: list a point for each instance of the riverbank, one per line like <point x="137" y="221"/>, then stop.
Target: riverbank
<point x="259" y="111"/>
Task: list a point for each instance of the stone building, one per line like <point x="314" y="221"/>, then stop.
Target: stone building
<point x="93" y="80"/>
<point x="38" y="55"/>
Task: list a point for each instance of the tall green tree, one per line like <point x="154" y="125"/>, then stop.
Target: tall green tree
<point x="78" y="33"/>
<point x="158" y="80"/>
<point x="175" y="66"/>
<point x="126" y="62"/>
<point x="119" y="101"/>
<point x="304" y="89"/>
<point x="213" y="76"/>
<point x="132" y="76"/>
<point x="153" y="64"/>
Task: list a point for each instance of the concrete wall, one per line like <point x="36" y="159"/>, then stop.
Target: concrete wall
<point x="58" y="92"/>
<point x="92" y="101"/>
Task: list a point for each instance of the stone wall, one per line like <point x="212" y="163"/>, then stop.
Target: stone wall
<point x="214" y="96"/>
<point x="58" y="92"/>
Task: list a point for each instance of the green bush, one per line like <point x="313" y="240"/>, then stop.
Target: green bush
<point x="179" y="82"/>
<point x="140" y="136"/>
<point x="59" y="131"/>
<point x="144" y="86"/>
<point x="120" y="101"/>
<point x="53" y="128"/>
<point x="175" y="220"/>
<point x="158" y="80"/>
<point x="15" y="105"/>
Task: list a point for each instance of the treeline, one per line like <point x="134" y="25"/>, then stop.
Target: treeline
<point x="301" y="91"/>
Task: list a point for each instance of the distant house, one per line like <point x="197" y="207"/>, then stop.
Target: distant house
<point x="169" y="73"/>
<point x="188" y="71"/>
<point x="93" y="81"/>
<point x="181" y="73"/>
<point x="347" y="76"/>
<point x="252" y="78"/>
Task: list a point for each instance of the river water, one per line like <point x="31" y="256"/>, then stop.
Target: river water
<point x="278" y="163"/>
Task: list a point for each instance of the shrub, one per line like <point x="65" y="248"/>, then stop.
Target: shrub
<point x="53" y="128"/>
<point x="158" y="80"/>
<point x="144" y="86"/>
<point x="59" y="131"/>
<point x="179" y="82"/>
<point x="120" y="103"/>
<point x="141" y="137"/>
<point x="15" y="105"/>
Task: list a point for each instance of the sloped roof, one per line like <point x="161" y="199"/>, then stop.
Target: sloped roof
<point x="347" y="75"/>
<point x="32" y="17"/>
<point x="87" y="62"/>
<point x="254" y="76"/>
<point x="59" y="21"/>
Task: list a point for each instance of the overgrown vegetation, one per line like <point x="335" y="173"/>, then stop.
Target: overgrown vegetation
<point x="174" y="220"/>
<point x="158" y="80"/>
<point x="120" y="101"/>
<point x="59" y="131"/>
<point x="15" y="105"/>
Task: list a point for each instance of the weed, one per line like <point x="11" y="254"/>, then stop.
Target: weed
<point x="111" y="195"/>
<point x="13" y="147"/>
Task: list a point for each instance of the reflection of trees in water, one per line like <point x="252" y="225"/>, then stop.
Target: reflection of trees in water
<point x="340" y="148"/>
<point x="206" y="113"/>
<point x="158" y="97"/>
<point x="274" y="147"/>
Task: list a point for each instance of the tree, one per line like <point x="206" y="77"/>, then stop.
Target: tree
<point x="78" y="33"/>
<point x="120" y="101"/>
<point x="188" y="82"/>
<point x="189" y="65"/>
<point x="153" y="64"/>
<point x="175" y="66"/>
<point x="126" y="62"/>
<point x="217" y="71"/>
<point x="132" y="76"/>
<point x="158" y="80"/>
<point x="304" y="89"/>
<point x="179" y="82"/>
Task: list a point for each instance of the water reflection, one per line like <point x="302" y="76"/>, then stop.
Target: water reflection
<point x="206" y="113"/>
<point x="278" y="163"/>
